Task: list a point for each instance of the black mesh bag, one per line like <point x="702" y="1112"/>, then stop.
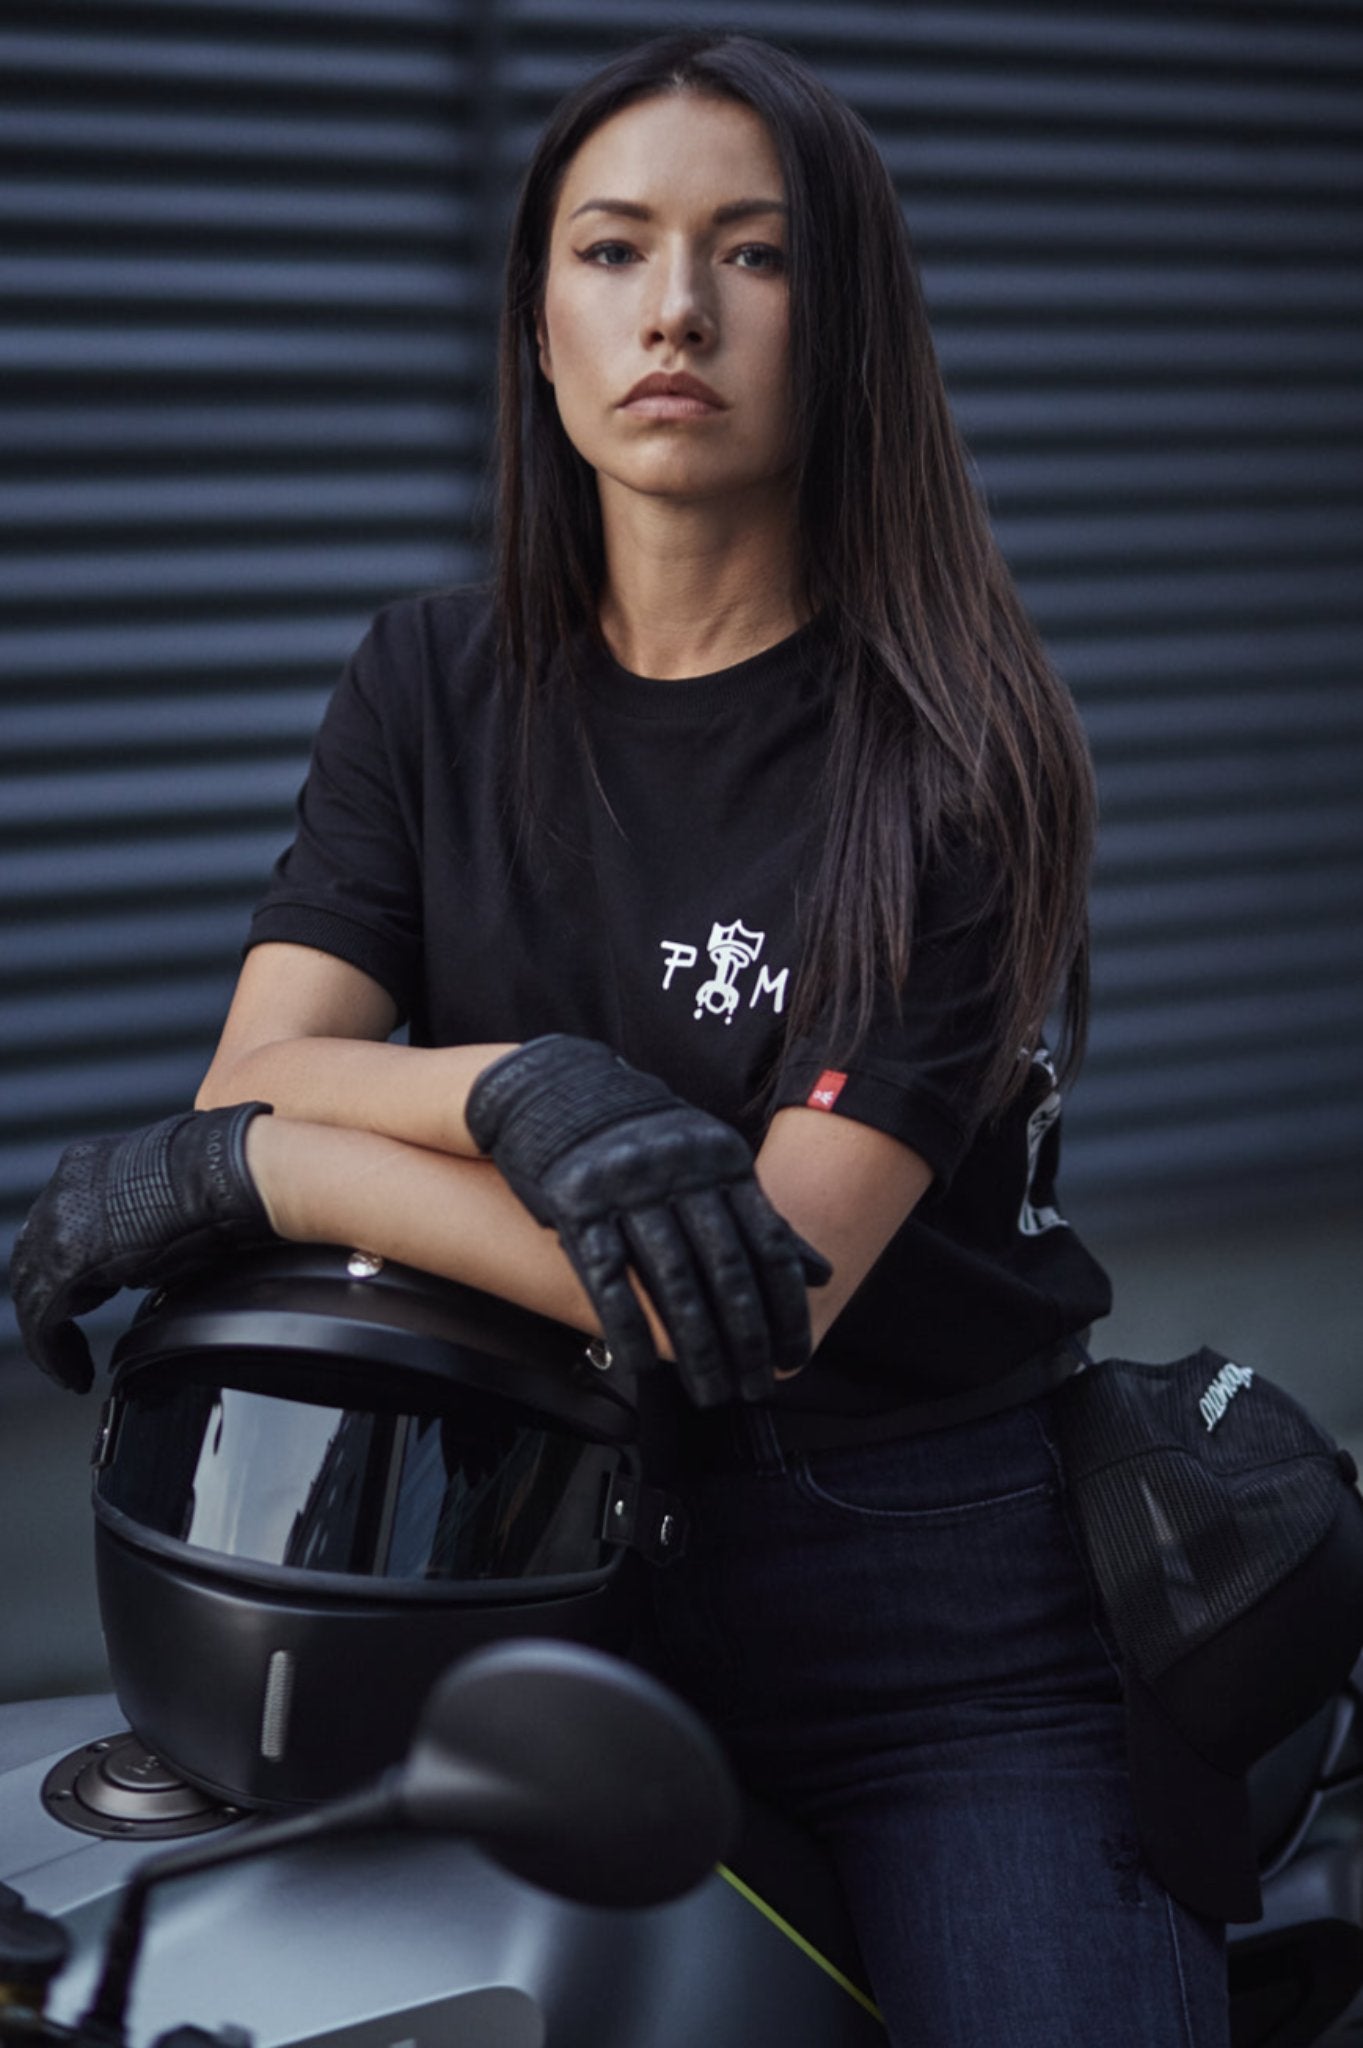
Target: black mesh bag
<point x="1224" y="1532"/>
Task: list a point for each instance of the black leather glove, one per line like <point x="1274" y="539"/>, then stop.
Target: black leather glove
<point x="631" y="1176"/>
<point x="131" y="1211"/>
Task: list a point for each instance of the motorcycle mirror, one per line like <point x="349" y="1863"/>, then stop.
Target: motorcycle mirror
<point x="573" y="1771"/>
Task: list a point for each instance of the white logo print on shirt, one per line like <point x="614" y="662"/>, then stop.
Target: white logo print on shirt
<point x="732" y="948"/>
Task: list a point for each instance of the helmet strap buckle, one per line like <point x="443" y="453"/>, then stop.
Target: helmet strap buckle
<point x="644" y="1518"/>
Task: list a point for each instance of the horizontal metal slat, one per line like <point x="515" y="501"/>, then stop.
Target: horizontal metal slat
<point x="1246" y="957"/>
<point x="91" y="208"/>
<point x="1270" y="1079"/>
<point x="95" y="798"/>
<point x="378" y="16"/>
<point x="1150" y="905"/>
<point x="1120" y="350"/>
<point x="1154" y="719"/>
<point x="1144" y="224"/>
<point x="1111" y="601"/>
<point x="293" y="355"/>
<point x="1228" y="838"/>
<point x="341" y="283"/>
<point x="1151" y="289"/>
<point x="1118" y="163"/>
<point x="1242" y="531"/>
<point x="1147" y="655"/>
<point x="1213" y="1151"/>
<point x="307" y="496"/>
<point x="320" y="65"/>
<point x="69" y="136"/>
<point x="149" y="426"/>
<point x="262" y="645"/>
<point x="163" y="867"/>
<point x="245" y="719"/>
<point x="45" y="1027"/>
<point x="1295" y="775"/>
<point x="1282" y="479"/>
<point x="222" y="573"/>
<point x="1223" y="1024"/>
<point x="1136" y="409"/>
<point x="102" y="1095"/>
<point x="136" y="942"/>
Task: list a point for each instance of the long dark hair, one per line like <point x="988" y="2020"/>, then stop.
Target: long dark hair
<point x="951" y="736"/>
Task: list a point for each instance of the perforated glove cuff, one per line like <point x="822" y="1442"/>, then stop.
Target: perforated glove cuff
<point x="184" y="1188"/>
<point x="133" y="1211"/>
<point x="551" y="1117"/>
<point x="536" y="1105"/>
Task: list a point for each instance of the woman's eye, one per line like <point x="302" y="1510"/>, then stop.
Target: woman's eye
<point x="759" y="256"/>
<point x="610" y="255"/>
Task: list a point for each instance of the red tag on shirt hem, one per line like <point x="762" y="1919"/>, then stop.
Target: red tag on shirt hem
<point x="826" y="1089"/>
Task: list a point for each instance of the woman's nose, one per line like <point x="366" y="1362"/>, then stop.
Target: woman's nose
<point x="680" y="312"/>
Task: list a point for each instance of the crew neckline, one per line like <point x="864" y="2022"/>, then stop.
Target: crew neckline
<point x="786" y="663"/>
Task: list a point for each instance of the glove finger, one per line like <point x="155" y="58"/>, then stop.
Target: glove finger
<point x="818" y="1270"/>
<point x="779" y="1263"/>
<point x="54" y="1341"/>
<point x="44" y="1310"/>
<point x="598" y="1256"/>
<point x="663" y="1258"/>
<point x="63" y="1354"/>
<point x="736" y="1292"/>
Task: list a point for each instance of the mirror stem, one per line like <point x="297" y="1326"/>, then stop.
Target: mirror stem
<point x="104" y="2019"/>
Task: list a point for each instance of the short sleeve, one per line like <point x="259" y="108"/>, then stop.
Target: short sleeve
<point x="350" y="883"/>
<point x="919" y="1072"/>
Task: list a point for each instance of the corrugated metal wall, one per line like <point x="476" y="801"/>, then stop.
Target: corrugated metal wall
<point x="248" y="252"/>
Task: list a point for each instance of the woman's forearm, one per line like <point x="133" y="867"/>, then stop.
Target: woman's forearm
<point x="308" y="1033"/>
<point x="322" y="1184"/>
<point x="413" y="1094"/>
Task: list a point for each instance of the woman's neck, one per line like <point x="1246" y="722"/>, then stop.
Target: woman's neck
<point x="692" y="588"/>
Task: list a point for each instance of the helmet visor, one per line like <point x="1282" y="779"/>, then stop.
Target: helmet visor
<point x="478" y="1492"/>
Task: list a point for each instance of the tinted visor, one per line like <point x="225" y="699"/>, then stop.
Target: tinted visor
<point x="479" y="1492"/>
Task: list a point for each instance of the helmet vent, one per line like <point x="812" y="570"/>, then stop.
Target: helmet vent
<point x="274" y="1718"/>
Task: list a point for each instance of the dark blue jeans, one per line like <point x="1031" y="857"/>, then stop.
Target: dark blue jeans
<point x="898" y="1644"/>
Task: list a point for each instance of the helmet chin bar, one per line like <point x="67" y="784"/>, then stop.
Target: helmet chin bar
<point x="196" y="1664"/>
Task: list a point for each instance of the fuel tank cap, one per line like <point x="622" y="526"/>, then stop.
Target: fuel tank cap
<point x="116" y="1786"/>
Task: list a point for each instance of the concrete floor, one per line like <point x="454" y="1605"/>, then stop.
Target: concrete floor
<point x="1287" y="1298"/>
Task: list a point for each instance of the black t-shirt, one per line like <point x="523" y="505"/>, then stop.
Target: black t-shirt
<point x="650" y="902"/>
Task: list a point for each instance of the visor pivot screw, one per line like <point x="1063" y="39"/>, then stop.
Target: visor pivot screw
<point x="598" y="1354"/>
<point x="363" y="1265"/>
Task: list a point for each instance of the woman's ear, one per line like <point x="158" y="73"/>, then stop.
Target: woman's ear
<point x="542" y="343"/>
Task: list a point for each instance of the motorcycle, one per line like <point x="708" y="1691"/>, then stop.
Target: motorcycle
<point x="556" y="1860"/>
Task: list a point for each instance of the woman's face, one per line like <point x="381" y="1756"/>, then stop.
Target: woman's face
<point x="665" y="328"/>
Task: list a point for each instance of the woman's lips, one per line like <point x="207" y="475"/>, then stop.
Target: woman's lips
<point x="678" y="397"/>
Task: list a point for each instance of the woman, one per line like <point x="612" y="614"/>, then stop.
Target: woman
<point x="750" y="774"/>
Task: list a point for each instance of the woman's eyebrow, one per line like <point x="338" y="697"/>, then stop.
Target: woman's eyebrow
<point x="736" y="209"/>
<point x="743" y="209"/>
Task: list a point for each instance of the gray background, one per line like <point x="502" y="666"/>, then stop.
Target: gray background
<point x="248" y="265"/>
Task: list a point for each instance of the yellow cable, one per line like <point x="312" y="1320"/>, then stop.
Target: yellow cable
<point x="830" y="1969"/>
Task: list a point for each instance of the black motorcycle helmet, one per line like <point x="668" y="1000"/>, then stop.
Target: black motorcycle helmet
<point x="318" y="1479"/>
